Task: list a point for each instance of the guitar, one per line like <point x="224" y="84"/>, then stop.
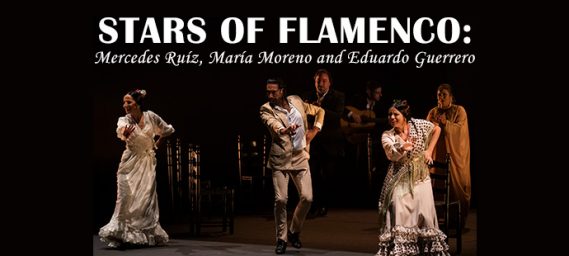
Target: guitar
<point x="367" y="124"/>
<point x="357" y="132"/>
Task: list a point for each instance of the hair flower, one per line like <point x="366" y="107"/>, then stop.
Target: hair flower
<point x="142" y="92"/>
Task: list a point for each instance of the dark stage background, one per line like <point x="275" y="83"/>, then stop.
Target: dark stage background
<point x="211" y="104"/>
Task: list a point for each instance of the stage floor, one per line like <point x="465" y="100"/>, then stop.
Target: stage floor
<point x="341" y="232"/>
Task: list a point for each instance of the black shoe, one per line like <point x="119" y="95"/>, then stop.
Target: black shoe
<point x="322" y="211"/>
<point x="294" y="239"/>
<point x="281" y="247"/>
<point x="318" y="212"/>
<point x="312" y="215"/>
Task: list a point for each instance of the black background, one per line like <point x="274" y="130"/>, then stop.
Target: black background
<point x="84" y="151"/>
<point x="209" y="105"/>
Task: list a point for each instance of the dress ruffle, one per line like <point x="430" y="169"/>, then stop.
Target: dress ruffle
<point x="401" y="241"/>
<point x="115" y="234"/>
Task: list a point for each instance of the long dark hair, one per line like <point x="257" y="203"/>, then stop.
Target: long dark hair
<point x="403" y="107"/>
<point x="139" y="96"/>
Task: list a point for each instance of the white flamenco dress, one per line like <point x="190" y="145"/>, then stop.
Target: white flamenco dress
<point x="136" y="216"/>
<point x="408" y="219"/>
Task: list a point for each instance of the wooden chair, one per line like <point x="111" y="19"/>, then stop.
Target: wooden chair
<point x="251" y="160"/>
<point x="441" y="190"/>
<point x="193" y="199"/>
<point x="216" y="209"/>
<point x="254" y="188"/>
<point x="211" y="206"/>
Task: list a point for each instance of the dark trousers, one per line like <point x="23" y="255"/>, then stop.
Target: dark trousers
<point x="324" y="168"/>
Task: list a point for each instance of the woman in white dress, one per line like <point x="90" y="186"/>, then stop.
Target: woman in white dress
<point x="407" y="216"/>
<point x="135" y="220"/>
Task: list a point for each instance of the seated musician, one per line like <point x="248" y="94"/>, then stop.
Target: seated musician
<point x="363" y="122"/>
<point x="367" y="109"/>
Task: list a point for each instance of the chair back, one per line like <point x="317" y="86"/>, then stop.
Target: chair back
<point x="441" y="181"/>
<point x="251" y="159"/>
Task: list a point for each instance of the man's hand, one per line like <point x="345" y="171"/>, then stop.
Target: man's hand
<point x="357" y="118"/>
<point x="290" y="130"/>
<point x="311" y="133"/>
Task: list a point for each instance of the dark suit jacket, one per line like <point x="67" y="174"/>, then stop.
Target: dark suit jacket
<point x="331" y="140"/>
